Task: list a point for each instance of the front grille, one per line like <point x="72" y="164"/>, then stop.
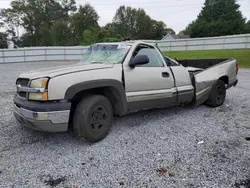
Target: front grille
<point x="22" y="94"/>
<point x="24" y="83"/>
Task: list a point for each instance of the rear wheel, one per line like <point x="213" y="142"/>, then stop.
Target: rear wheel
<point x="92" y="118"/>
<point x="217" y="95"/>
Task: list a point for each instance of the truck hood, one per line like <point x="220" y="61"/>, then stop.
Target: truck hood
<point x="61" y="70"/>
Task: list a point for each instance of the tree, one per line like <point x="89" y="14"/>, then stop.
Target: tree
<point x="86" y="18"/>
<point x="88" y="37"/>
<point x="124" y="22"/>
<point x="133" y="23"/>
<point x="61" y="34"/>
<point x="109" y="27"/>
<point x="160" y="30"/>
<point x="107" y="34"/>
<point x="169" y="30"/>
<point x="25" y="40"/>
<point x="59" y="22"/>
<point x="187" y="30"/>
<point x="68" y="6"/>
<point x="217" y="18"/>
<point x="33" y="15"/>
<point x="103" y="34"/>
<point x="44" y="34"/>
<point x="3" y="40"/>
<point x="248" y="27"/>
<point x="144" y="27"/>
<point x="11" y="22"/>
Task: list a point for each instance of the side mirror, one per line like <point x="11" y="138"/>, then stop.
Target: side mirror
<point x="139" y="60"/>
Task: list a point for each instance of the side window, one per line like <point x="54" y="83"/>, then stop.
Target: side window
<point x="154" y="57"/>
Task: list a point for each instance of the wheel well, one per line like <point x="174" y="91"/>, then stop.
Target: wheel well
<point x="111" y="93"/>
<point x="225" y="79"/>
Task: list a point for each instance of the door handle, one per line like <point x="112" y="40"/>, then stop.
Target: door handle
<point x="165" y="75"/>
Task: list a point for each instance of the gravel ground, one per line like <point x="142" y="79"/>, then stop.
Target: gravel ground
<point x="179" y="147"/>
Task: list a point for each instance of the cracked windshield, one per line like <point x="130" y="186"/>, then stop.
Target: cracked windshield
<point x="105" y="53"/>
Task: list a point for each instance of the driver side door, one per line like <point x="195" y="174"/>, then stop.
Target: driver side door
<point x="150" y="85"/>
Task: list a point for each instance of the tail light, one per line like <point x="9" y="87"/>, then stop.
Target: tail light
<point x="237" y="68"/>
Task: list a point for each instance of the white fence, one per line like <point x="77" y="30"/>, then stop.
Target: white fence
<point x="41" y="54"/>
<point x="75" y="53"/>
<point x="211" y="43"/>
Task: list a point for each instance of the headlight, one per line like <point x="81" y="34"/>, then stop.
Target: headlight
<point x="42" y="84"/>
<point x="39" y="83"/>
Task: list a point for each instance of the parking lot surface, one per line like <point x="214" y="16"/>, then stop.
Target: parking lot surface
<point x="178" y="147"/>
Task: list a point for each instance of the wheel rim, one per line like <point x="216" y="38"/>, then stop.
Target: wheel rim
<point x="99" y="118"/>
<point x="220" y="94"/>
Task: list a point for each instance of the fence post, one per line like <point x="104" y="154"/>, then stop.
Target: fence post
<point x="45" y="51"/>
<point x="247" y="41"/>
<point x="81" y="55"/>
<point x="223" y="44"/>
<point x="64" y="51"/>
<point x="24" y="54"/>
<point x="3" y="57"/>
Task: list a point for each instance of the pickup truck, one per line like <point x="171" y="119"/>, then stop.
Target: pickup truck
<point x="114" y="79"/>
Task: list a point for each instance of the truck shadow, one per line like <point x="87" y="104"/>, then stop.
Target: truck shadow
<point x="141" y="118"/>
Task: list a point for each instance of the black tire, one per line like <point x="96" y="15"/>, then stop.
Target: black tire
<point x="93" y="118"/>
<point x="217" y="95"/>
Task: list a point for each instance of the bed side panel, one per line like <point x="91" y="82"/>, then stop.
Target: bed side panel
<point x="207" y="78"/>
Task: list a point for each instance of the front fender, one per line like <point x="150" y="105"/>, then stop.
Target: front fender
<point x="115" y="85"/>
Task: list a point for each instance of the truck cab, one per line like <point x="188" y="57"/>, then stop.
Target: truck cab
<point x="155" y="84"/>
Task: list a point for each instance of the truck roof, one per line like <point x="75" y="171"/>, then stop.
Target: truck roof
<point x="110" y="43"/>
<point x="128" y="43"/>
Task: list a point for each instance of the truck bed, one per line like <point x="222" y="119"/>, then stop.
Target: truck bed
<point x="201" y="63"/>
<point x="207" y="71"/>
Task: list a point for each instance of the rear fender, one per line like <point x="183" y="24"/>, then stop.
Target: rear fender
<point x="206" y="79"/>
<point x="203" y="87"/>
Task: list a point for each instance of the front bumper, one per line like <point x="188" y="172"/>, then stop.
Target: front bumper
<point x="42" y="119"/>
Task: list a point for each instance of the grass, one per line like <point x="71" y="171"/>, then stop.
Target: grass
<point x="243" y="56"/>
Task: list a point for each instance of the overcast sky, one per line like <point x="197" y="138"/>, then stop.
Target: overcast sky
<point x="177" y="14"/>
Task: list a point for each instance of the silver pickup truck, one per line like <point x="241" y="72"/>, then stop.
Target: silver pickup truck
<point x="117" y="79"/>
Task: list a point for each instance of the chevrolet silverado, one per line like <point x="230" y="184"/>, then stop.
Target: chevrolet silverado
<point x="117" y="79"/>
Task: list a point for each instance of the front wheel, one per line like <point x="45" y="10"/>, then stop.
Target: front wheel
<point x="93" y="118"/>
<point x="217" y="95"/>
